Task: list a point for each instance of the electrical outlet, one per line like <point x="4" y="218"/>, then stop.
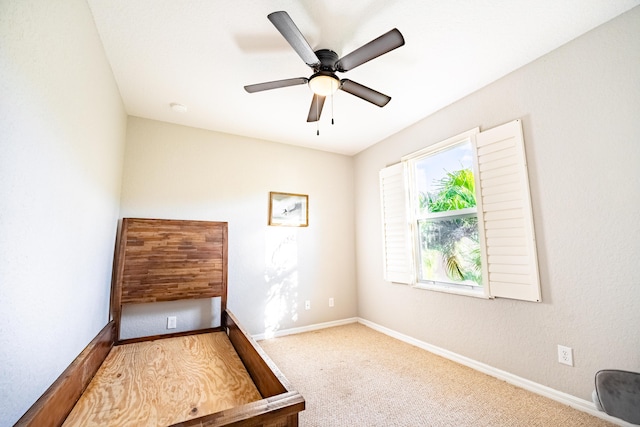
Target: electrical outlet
<point x="565" y="355"/>
<point x="330" y="302"/>
<point x="171" y="322"/>
<point x="307" y="305"/>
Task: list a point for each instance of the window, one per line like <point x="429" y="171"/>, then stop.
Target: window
<point x="457" y="217"/>
<point x="444" y="212"/>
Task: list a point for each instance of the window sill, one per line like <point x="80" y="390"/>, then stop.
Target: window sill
<point x="477" y="293"/>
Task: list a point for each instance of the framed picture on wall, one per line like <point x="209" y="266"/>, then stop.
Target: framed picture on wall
<point x="288" y="209"/>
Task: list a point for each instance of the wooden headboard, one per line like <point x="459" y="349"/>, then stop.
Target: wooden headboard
<point x="168" y="260"/>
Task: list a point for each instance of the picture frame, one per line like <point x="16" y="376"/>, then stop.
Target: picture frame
<point x="288" y="209"/>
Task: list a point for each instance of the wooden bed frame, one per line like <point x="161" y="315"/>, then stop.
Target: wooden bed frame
<point x="170" y="260"/>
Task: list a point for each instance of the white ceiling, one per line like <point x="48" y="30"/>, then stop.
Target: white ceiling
<point x="201" y="53"/>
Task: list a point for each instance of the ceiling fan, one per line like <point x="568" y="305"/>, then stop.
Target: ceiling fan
<point x="325" y="63"/>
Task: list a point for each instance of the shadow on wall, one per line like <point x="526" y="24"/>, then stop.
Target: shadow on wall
<point x="281" y="276"/>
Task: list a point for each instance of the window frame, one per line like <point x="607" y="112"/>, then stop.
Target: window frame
<point x="409" y="161"/>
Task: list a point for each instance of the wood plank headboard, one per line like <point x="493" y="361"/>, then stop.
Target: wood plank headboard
<point x="169" y="260"/>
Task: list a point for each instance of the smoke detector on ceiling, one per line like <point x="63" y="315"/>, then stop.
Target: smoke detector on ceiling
<point x="178" y="108"/>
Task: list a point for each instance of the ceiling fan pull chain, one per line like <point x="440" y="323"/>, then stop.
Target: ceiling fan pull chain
<point x="317" y="116"/>
<point x="331" y="109"/>
<point x="332" y="92"/>
<point x="332" y="103"/>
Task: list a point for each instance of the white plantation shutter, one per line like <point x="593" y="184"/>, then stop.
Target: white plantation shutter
<point x="398" y="261"/>
<point x="506" y="211"/>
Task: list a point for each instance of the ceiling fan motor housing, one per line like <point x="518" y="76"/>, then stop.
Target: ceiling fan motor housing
<point x="328" y="59"/>
<point x="324" y="81"/>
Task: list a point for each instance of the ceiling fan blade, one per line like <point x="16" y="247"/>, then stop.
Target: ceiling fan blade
<point x="383" y="44"/>
<point x="316" y="108"/>
<point x="275" y="84"/>
<point x="364" y="92"/>
<point x="283" y="22"/>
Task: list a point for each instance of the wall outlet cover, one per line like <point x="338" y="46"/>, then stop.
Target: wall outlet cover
<point x="171" y="322"/>
<point x="565" y="355"/>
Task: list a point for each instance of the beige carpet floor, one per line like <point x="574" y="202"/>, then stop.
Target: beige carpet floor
<point x="353" y="375"/>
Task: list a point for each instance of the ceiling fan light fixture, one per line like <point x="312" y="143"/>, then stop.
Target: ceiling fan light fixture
<point x="324" y="83"/>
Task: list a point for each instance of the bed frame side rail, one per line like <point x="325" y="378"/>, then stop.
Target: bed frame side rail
<point x="55" y="404"/>
<point x="264" y="372"/>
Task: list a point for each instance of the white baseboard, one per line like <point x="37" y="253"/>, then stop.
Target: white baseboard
<point x="315" y="327"/>
<point x="559" y="396"/>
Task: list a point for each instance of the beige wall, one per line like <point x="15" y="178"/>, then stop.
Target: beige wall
<point x="62" y="134"/>
<point x="580" y="107"/>
<point x="179" y="172"/>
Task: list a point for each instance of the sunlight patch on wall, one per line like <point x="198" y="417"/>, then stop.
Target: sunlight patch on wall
<point x="281" y="276"/>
